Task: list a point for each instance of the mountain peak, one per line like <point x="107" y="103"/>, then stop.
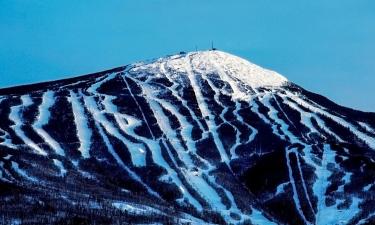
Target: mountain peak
<point x="223" y="63"/>
<point x="240" y="74"/>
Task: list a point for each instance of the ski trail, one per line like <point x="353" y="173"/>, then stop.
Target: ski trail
<point x="330" y="214"/>
<point x="23" y="173"/>
<point x="272" y="113"/>
<point x="205" y="111"/>
<point x="60" y="166"/>
<point x="7" y="141"/>
<point x="205" y="189"/>
<point x="254" y="131"/>
<point x="164" y="125"/>
<point x="128" y="124"/>
<point x="294" y="186"/>
<point x="370" y="141"/>
<point x="366" y="219"/>
<point x="321" y="184"/>
<point x="84" y="134"/>
<point x="285" y="128"/>
<point x="225" y="109"/>
<point x="306" y="120"/>
<point x="93" y="88"/>
<point x="137" y="152"/>
<point x="43" y="118"/>
<point x="175" y="93"/>
<point x="188" y="65"/>
<point x="112" y="151"/>
<point x="366" y="127"/>
<point x="137" y="103"/>
<point x="16" y="117"/>
<point x="98" y="115"/>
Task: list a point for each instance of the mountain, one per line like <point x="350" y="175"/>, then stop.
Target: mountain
<point x="194" y="138"/>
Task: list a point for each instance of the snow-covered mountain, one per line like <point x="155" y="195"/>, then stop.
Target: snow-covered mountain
<point x="197" y="138"/>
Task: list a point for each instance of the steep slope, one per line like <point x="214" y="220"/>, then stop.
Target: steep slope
<point x="203" y="137"/>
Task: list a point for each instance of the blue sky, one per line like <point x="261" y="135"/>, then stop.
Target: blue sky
<point x="327" y="47"/>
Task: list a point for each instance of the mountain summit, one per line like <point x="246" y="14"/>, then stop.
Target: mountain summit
<point x="196" y="138"/>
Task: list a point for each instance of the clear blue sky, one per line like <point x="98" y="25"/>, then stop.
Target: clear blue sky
<point x="325" y="46"/>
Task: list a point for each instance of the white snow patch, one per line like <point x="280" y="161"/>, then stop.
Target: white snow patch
<point x="257" y="218"/>
<point x="136" y="209"/>
<point x="367" y="187"/>
<point x="281" y="188"/>
<point x="7" y="157"/>
<point x="367" y="127"/>
<point x="6" y="139"/>
<point x="60" y="166"/>
<point x="22" y="173"/>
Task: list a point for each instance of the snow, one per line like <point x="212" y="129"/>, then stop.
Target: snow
<point x="1" y="170"/>
<point x="136" y="209"/>
<point x="254" y="132"/>
<point x="318" y="109"/>
<point x="176" y="94"/>
<point x="307" y="116"/>
<point x="280" y="188"/>
<point x="367" y="127"/>
<point x="330" y="214"/>
<point x="189" y="219"/>
<point x="83" y="132"/>
<point x="165" y="126"/>
<point x="136" y="150"/>
<point x="367" y="187"/>
<point x="225" y="109"/>
<point x="205" y="110"/>
<point x="6" y="139"/>
<point x="231" y="69"/>
<point x="60" y="166"/>
<point x="205" y="189"/>
<point x="16" y="222"/>
<point x="43" y="119"/>
<point x="242" y="82"/>
<point x="138" y="159"/>
<point x="16" y="118"/>
<point x="346" y="180"/>
<point x="273" y="115"/>
<point x="7" y="157"/>
<point x="114" y="154"/>
<point x="365" y="220"/>
<point x="99" y="81"/>
<point x="322" y="172"/>
<point x="294" y="187"/>
<point x="22" y="173"/>
<point x="257" y="218"/>
<point x="158" y="158"/>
